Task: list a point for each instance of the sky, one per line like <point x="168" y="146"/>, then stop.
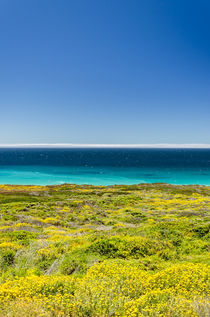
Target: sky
<point x="105" y="71"/>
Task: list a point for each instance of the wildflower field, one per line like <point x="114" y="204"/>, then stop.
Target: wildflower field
<point x="69" y="250"/>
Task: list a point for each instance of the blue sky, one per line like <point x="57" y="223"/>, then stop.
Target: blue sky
<point x="104" y="71"/>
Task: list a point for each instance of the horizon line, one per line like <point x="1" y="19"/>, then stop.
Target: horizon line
<point x="82" y="145"/>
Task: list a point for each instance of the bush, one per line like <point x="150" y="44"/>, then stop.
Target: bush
<point x="78" y="261"/>
<point x="44" y="264"/>
<point x="22" y="235"/>
<point x="127" y="247"/>
<point x="202" y="230"/>
<point x="7" y="258"/>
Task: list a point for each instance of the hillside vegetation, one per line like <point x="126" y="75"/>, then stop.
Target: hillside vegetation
<point x="71" y="250"/>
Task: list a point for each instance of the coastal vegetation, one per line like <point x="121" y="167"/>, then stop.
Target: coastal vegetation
<point x="69" y="250"/>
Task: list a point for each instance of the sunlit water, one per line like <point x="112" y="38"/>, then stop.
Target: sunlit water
<point x="104" y="166"/>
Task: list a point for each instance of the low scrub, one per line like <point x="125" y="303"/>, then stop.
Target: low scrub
<point x="129" y="251"/>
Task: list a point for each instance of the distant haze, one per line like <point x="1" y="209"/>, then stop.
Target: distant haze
<point x="69" y="145"/>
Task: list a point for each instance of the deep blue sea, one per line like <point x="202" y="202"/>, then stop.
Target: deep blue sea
<point x="104" y="166"/>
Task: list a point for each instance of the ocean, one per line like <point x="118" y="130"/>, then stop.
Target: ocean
<point x="107" y="166"/>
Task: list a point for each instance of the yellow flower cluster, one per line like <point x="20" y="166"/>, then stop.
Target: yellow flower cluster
<point x="10" y="245"/>
<point x="115" y="288"/>
<point x="93" y="251"/>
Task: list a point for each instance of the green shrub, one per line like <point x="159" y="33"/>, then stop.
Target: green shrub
<point x="44" y="264"/>
<point x="22" y="235"/>
<point x="78" y="261"/>
<point x="202" y="230"/>
<point x="7" y="258"/>
<point x="125" y="247"/>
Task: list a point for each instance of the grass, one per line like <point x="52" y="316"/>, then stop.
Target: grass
<point x="69" y="250"/>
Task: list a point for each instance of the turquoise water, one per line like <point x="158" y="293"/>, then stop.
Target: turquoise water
<point x="104" y="166"/>
<point x="49" y="175"/>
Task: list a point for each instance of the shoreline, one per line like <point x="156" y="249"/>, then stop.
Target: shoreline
<point x="108" y="186"/>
